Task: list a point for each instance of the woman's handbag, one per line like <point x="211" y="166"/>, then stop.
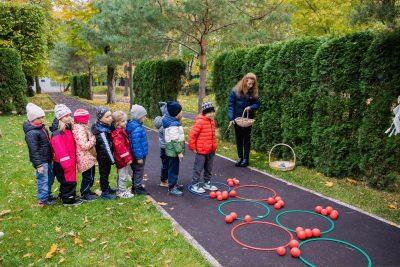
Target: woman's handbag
<point x="244" y="121"/>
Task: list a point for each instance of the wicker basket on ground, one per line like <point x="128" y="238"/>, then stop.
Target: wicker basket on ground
<point x="282" y="165"/>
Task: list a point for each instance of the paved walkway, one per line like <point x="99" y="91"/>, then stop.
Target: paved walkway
<point x="200" y="218"/>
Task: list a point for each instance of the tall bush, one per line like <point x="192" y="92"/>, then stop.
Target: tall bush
<point x="380" y="86"/>
<point x="337" y="110"/>
<point x="80" y="86"/>
<point x="12" y="82"/>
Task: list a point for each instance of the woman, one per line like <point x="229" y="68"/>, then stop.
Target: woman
<point x="244" y="96"/>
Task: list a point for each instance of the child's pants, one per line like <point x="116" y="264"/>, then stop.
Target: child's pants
<point x="67" y="189"/>
<point x="87" y="180"/>
<point x="164" y="165"/>
<point x="173" y="171"/>
<point x="44" y="181"/>
<point x="202" y="162"/>
<point x="104" y="170"/>
<point x="123" y="175"/>
<point x="138" y="172"/>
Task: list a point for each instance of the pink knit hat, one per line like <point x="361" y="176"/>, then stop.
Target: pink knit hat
<point x="81" y="116"/>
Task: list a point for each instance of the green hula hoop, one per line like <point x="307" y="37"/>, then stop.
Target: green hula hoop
<point x="241" y="218"/>
<point x="334" y="240"/>
<point x="304" y="211"/>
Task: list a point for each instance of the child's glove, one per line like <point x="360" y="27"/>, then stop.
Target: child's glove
<point x="180" y="156"/>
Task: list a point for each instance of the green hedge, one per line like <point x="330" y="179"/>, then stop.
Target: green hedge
<point x="24" y="27"/>
<point x="80" y="86"/>
<point x="12" y="82"/>
<point x="380" y="74"/>
<point x="294" y="63"/>
<point x="338" y="109"/>
<point x="313" y="94"/>
<point x="155" y="81"/>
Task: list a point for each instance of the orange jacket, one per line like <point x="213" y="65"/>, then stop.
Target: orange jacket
<point x="202" y="136"/>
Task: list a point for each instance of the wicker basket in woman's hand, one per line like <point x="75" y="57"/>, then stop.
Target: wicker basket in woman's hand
<point x="244" y="121"/>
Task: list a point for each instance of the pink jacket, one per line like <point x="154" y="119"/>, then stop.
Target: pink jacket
<point x="84" y="140"/>
<point x="65" y="153"/>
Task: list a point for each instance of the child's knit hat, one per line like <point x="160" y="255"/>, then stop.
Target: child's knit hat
<point x="81" y="116"/>
<point x="61" y="110"/>
<point x="174" y="108"/>
<point x="33" y="111"/>
<point x="100" y="111"/>
<point x="207" y="107"/>
<point x="137" y="112"/>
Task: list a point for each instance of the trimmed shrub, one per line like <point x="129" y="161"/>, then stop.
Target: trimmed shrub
<point x="12" y="82"/>
<point x="80" y="86"/>
<point x="380" y="85"/>
<point x="294" y="63"/>
<point x="338" y="109"/>
<point x="24" y="27"/>
<point x="155" y="81"/>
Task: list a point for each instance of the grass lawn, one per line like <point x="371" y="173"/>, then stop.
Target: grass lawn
<point x="43" y="101"/>
<point x="379" y="202"/>
<point x="103" y="233"/>
<point x="102" y="90"/>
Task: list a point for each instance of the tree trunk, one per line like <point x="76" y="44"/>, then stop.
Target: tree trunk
<point x="110" y="84"/>
<point x="67" y="88"/>
<point x="38" y="88"/>
<point x="131" y="93"/>
<point x="126" y="81"/>
<point x="203" y="71"/>
<point x="90" y="92"/>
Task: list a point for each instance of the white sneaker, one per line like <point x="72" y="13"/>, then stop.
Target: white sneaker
<point x="209" y="186"/>
<point x="198" y="189"/>
<point x="126" y="194"/>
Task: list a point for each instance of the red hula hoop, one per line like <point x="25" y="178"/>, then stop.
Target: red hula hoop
<point x="256" y="248"/>
<point x="256" y="186"/>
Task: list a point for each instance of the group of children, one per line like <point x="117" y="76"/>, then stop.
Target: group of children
<point x="113" y="139"/>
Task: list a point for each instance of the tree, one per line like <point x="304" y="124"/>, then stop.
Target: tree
<point x="386" y="12"/>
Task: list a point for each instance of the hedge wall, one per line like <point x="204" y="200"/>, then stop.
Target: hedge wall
<point x="12" y="82"/>
<point x="80" y="86"/>
<point x="24" y="27"/>
<point x="380" y="86"/>
<point x="337" y="110"/>
<point x="294" y="63"/>
<point x="155" y="81"/>
<point x="313" y="96"/>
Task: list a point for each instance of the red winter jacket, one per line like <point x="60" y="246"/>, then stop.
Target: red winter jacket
<point x="63" y="144"/>
<point x="122" y="147"/>
<point x="202" y="136"/>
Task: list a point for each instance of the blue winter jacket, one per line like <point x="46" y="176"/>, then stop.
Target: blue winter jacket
<point x="138" y="138"/>
<point x="236" y="105"/>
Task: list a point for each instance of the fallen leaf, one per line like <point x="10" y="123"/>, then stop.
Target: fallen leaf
<point x="148" y="201"/>
<point x="86" y="221"/>
<point x="52" y="251"/>
<point x="98" y="192"/>
<point x="62" y="259"/>
<point x="58" y="229"/>
<point x="61" y="236"/>
<point x="29" y="244"/>
<point x="92" y="240"/>
<point x="78" y="241"/>
<point x="72" y="233"/>
<point x="352" y="181"/>
<point x="34" y="225"/>
<point x="328" y="184"/>
<point x="104" y="242"/>
<point x="162" y="203"/>
<point x="4" y="212"/>
<point x="392" y="206"/>
<point x="62" y="251"/>
<point x="19" y="231"/>
<point x="27" y="255"/>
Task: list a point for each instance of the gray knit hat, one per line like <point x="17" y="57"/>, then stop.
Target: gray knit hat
<point x="207" y="107"/>
<point x="61" y="110"/>
<point x="138" y="112"/>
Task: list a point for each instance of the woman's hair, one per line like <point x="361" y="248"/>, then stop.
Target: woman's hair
<point x="119" y="116"/>
<point x="241" y="85"/>
<point x="62" y="125"/>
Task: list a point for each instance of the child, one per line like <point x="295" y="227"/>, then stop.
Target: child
<point x="174" y="145"/>
<point x="85" y="142"/>
<point x="40" y="154"/>
<point x="139" y="146"/>
<point x="203" y="142"/>
<point x="122" y="153"/>
<point x="104" y="149"/>
<point x="63" y="144"/>
<point x="161" y="140"/>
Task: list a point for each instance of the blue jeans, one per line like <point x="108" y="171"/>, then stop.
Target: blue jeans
<point x="44" y="181"/>
<point x="164" y="165"/>
<point x="173" y="171"/>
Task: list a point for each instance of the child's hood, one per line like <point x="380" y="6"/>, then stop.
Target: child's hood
<point x="169" y="121"/>
<point x="158" y="122"/>
<point x="27" y="127"/>
<point x="54" y="126"/>
<point x="163" y="108"/>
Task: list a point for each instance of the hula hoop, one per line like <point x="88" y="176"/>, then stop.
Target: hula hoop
<point x="241" y="218"/>
<point x="257" y="248"/>
<point x="189" y="188"/>
<point x="338" y="241"/>
<point x="256" y="186"/>
<point x="305" y="211"/>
